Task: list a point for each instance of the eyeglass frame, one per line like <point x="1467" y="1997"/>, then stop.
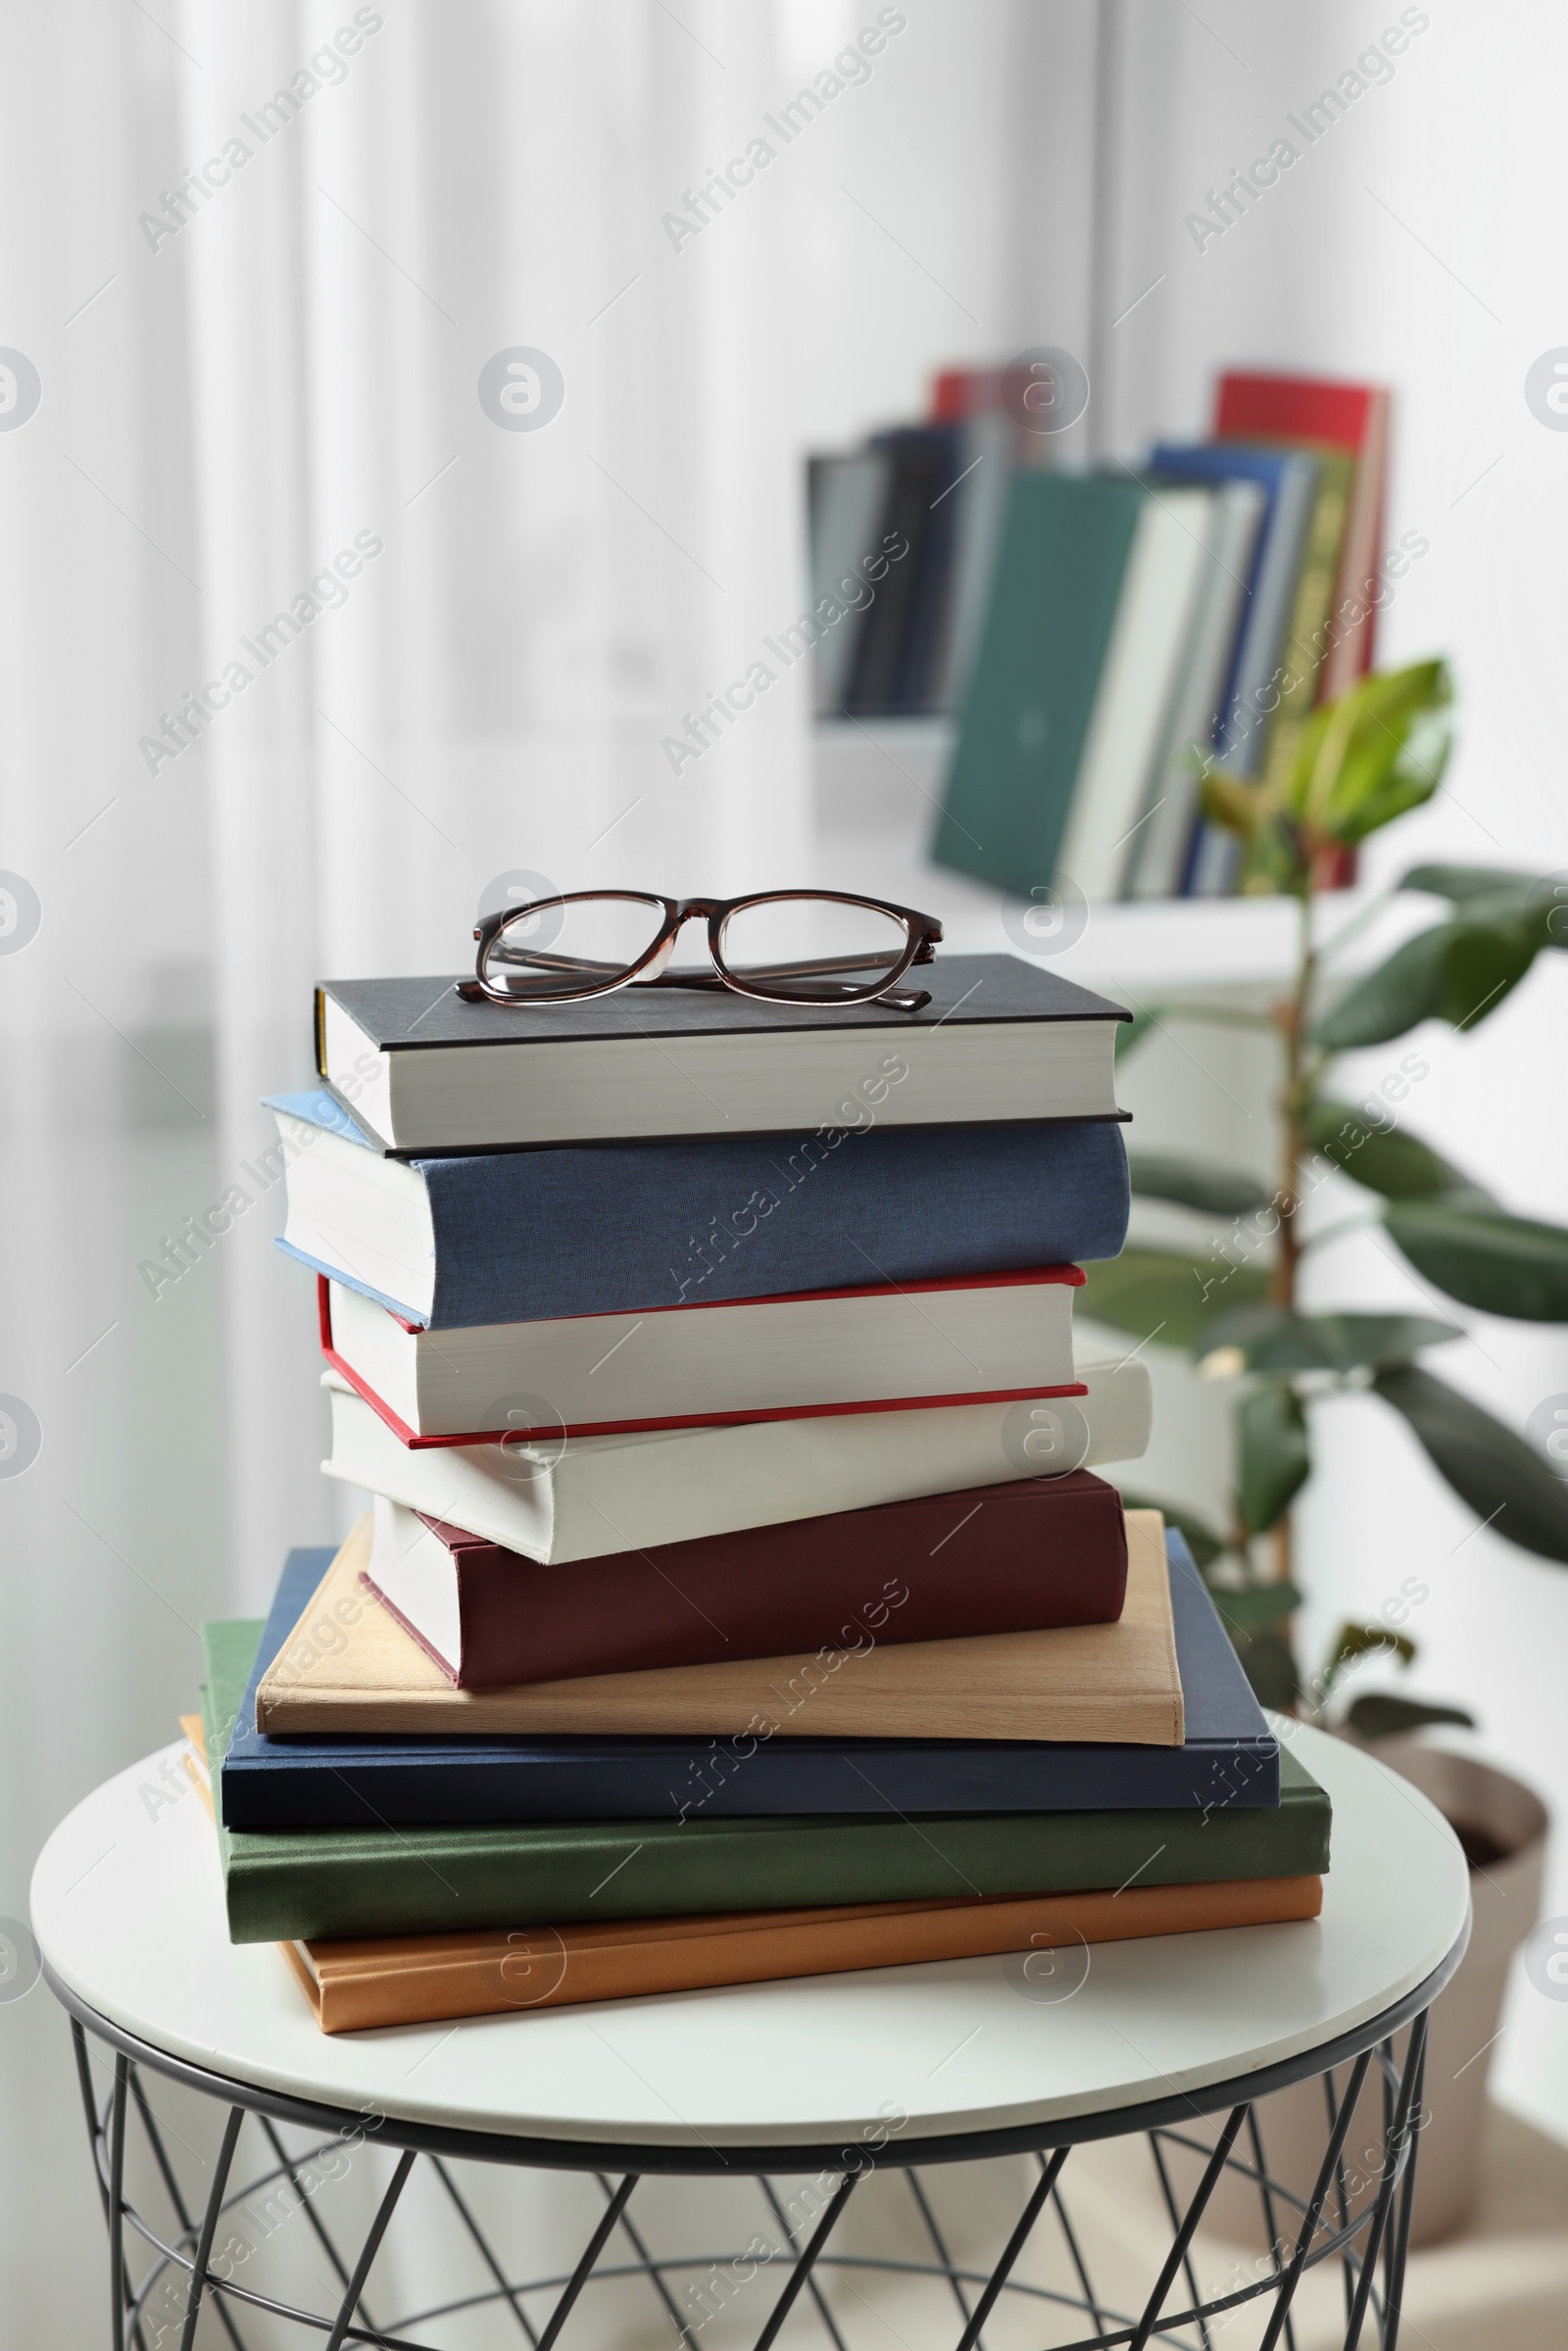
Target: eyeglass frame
<point x="923" y="935"/>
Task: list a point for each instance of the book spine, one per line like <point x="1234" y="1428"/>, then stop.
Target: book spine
<point x="740" y="1777"/>
<point x="520" y="1236"/>
<point x="1302" y="658"/>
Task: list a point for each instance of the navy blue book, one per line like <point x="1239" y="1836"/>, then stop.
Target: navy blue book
<point x="1230" y="1759"/>
<point x="605" y="1228"/>
<point x="1289" y="482"/>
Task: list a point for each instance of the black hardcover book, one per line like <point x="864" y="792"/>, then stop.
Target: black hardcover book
<point x="1001" y="1040"/>
<point x="918" y="471"/>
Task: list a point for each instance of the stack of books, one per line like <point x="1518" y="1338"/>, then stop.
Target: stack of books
<point x="738" y="1598"/>
<point x="1103" y="635"/>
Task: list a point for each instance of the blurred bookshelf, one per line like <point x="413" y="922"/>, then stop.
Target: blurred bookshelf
<point x="877" y="801"/>
<point x="1106" y="633"/>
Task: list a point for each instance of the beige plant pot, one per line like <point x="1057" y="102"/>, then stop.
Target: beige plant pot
<point x="1503" y="1827"/>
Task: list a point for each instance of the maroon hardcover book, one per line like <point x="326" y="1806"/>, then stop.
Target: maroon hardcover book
<point x="1006" y="1559"/>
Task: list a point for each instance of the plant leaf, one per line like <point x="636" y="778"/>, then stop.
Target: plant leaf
<point x="1274" y="1454"/>
<point x="1458" y="972"/>
<point x="1130" y="1033"/>
<point x="1505" y="1480"/>
<point x="1162" y="1295"/>
<point x="1266" y="1338"/>
<point x="1251" y="1608"/>
<point x="1499" y="1264"/>
<point x="1385" y="1158"/>
<point x="1203" y="1541"/>
<point x="1231" y="801"/>
<point x="1269" y="1667"/>
<point x="1460" y="883"/>
<point x="1216" y="1191"/>
<point x="1376" y="752"/>
<point x="1376" y="1339"/>
<point x="1500" y="894"/>
<point x="1274" y="1339"/>
<point x="1366" y="1640"/>
<point x="1379" y="1714"/>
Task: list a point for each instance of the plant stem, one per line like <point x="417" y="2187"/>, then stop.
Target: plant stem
<point x="1224" y="1016"/>
<point x="1292" y="1018"/>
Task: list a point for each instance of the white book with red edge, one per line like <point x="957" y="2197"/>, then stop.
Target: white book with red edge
<point x="973" y="1339"/>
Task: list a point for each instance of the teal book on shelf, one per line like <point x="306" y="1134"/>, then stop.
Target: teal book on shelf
<point x="1032" y="691"/>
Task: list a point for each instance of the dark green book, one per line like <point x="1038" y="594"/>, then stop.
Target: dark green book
<point x="1032" y="690"/>
<point x="293" y="1885"/>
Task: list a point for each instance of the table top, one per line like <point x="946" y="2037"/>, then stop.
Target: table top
<point x="128" y="1908"/>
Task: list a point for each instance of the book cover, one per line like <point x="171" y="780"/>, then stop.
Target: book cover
<point x="1288" y="483"/>
<point x="1100" y="1681"/>
<point x="1019" y="1557"/>
<point x="581" y="1498"/>
<point x="921" y="655"/>
<point x="1032" y="690"/>
<point x="426" y="1071"/>
<point x="988" y="1338"/>
<point x="609" y="1228"/>
<point x="846" y="496"/>
<point x="893" y="641"/>
<point x="397" y="1015"/>
<point x="980" y="496"/>
<point x="1137" y="684"/>
<point x="1258" y="669"/>
<point x="427" y="1978"/>
<point x="286" y="1886"/>
<point x="1228" y="1755"/>
<point x="1157" y="851"/>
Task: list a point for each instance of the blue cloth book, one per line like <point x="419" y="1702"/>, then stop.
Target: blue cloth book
<point x="520" y="1236"/>
<point x="1289" y="480"/>
<point x="1230" y="1759"/>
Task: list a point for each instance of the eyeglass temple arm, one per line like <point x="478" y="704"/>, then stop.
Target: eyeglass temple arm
<point x="906" y="1000"/>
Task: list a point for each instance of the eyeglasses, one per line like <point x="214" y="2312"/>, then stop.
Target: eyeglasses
<point x="782" y="946"/>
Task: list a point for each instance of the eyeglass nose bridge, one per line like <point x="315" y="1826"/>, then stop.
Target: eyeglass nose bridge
<point x="686" y="909"/>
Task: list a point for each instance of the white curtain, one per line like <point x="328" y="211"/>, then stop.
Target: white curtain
<point x="492" y="691"/>
<point x="259" y="324"/>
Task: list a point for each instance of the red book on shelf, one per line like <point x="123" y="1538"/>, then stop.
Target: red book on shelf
<point x="1013" y="1558"/>
<point x="960" y="393"/>
<point x="973" y="1339"/>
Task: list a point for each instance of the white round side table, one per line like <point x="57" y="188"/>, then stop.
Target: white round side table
<point x="833" y="2076"/>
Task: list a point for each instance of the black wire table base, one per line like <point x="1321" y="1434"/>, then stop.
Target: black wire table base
<point x="1357" y="2214"/>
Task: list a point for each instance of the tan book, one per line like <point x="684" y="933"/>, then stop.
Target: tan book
<point x="350" y="1667"/>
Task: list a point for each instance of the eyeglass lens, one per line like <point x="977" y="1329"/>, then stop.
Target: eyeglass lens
<point x="559" y="946"/>
<point x="813" y="947"/>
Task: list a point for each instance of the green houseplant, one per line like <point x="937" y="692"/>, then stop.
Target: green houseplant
<point x="1363" y="762"/>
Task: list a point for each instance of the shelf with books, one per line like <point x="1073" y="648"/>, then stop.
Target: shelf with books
<point x="1096" y="640"/>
